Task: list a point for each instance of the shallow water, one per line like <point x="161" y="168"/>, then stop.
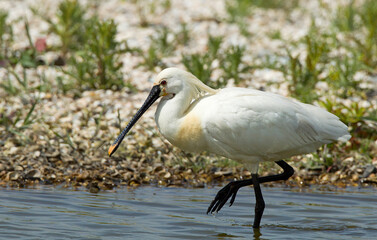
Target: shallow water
<point x="179" y="213"/>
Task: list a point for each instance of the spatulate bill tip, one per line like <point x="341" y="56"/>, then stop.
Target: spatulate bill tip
<point x="112" y="149"/>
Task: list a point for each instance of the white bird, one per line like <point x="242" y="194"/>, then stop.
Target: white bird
<point x="246" y="125"/>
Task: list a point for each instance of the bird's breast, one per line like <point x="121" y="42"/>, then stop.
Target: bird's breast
<point x="189" y="136"/>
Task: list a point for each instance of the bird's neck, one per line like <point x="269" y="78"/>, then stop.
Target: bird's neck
<point x="170" y="112"/>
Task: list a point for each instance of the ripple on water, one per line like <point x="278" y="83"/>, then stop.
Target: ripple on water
<point x="179" y="213"/>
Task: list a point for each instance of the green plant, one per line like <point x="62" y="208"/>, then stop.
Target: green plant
<point x="149" y="8"/>
<point x="360" y="18"/>
<point x="341" y="75"/>
<point x="151" y="58"/>
<point x="160" y="46"/>
<point x="6" y="38"/>
<point x="106" y="51"/>
<point x="6" y="31"/>
<point x="303" y="75"/>
<point x="344" y="18"/>
<point x="369" y="45"/>
<point x="15" y="83"/>
<point x="231" y="63"/>
<point x="69" y="25"/>
<point x="352" y="114"/>
<point x="22" y="81"/>
<point x="319" y="160"/>
<point x="190" y="161"/>
<point x="213" y="45"/>
<point x="16" y="121"/>
<point x="161" y="42"/>
<point x="64" y="84"/>
<point x="66" y="138"/>
<point x="201" y="64"/>
<point x="27" y="57"/>
<point x="275" y="34"/>
<point x="8" y="85"/>
<point x="321" y="64"/>
<point x="275" y="4"/>
<point x="238" y="11"/>
<point x="361" y="120"/>
<point x="98" y="64"/>
<point x="372" y="116"/>
<point x="225" y="162"/>
<point x="182" y="37"/>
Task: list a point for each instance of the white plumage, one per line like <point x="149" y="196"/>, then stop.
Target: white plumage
<point x="245" y="125"/>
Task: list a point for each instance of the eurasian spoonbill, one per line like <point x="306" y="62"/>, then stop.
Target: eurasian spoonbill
<point x="246" y="125"/>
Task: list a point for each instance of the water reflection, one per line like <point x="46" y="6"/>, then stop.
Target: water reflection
<point x="178" y="213"/>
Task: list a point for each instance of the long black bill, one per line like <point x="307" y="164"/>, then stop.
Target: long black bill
<point x="152" y="97"/>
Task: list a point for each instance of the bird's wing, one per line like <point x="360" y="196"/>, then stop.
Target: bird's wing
<point x="254" y="123"/>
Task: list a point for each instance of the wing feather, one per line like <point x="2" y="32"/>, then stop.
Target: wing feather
<point x="245" y="123"/>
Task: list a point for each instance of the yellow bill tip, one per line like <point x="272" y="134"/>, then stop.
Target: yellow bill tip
<point x="112" y="148"/>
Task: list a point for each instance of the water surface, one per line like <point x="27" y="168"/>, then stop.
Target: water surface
<point x="179" y="213"/>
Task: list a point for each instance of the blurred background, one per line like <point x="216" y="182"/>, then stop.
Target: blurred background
<point x="72" y="73"/>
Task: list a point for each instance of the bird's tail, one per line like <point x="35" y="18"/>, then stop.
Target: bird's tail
<point x="331" y="128"/>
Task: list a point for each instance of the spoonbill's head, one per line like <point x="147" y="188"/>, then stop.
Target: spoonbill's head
<point x="174" y="80"/>
<point x="168" y="83"/>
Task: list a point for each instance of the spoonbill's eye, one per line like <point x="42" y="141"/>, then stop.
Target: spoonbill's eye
<point x="163" y="82"/>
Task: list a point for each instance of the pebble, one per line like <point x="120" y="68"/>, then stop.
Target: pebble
<point x="33" y="174"/>
<point x="14" y="176"/>
<point x="70" y="147"/>
<point x="355" y="177"/>
<point x="369" y="169"/>
<point x="19" y="168"/>
<point x="222" y="173"/>
<point x="167" y="175"/>
<point x="334" y="178"/>
<point x="13" y="150"/>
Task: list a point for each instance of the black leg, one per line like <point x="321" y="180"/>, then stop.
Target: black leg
<point x="259" y="202"/>
<point x="231" y="189"/>
<point x="288" y="172"/>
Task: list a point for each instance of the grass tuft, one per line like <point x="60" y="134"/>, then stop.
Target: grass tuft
<point x="98" y="64"/>
<point x="69" y="25"/>
<point x="358" y="21"/>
